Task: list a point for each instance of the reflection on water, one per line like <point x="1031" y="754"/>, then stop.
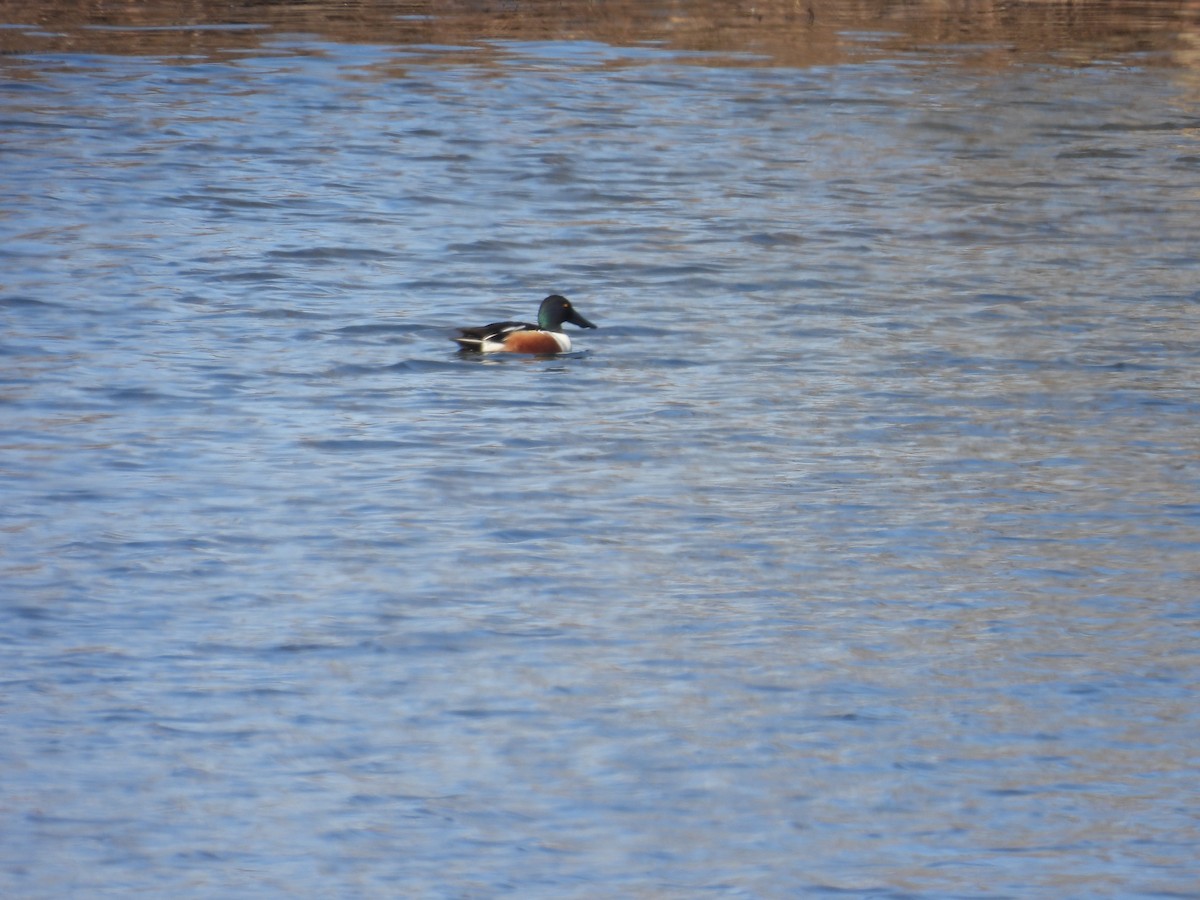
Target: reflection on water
<point x="856" y="550"/>
<point x="779" y="32"/>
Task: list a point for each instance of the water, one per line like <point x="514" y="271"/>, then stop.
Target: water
<point x="857" y="552"/>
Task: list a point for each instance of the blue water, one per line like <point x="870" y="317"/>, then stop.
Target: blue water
<point x="857" y="552"/>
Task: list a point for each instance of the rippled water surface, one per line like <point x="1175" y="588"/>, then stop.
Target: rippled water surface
<point x="857" y="552"/>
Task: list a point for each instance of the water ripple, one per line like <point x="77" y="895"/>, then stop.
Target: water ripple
<point x="855" y="552"/>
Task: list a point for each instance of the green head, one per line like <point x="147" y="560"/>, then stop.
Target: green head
<point x="557" y="309"/>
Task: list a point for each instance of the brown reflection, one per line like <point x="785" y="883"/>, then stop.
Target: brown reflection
<point x="775" y="32"/>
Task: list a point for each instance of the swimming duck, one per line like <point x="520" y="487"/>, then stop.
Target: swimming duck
<point x="521" y="337"/>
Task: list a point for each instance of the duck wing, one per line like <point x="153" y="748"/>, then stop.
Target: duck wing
<point x="475" y="338"/>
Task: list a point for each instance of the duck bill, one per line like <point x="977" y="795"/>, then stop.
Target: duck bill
<point x="576" y="319"/>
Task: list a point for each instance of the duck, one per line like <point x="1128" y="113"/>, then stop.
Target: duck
<point x="521" y="337"/>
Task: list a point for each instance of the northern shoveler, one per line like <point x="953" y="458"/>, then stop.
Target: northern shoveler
<point x="521" y="337"/>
